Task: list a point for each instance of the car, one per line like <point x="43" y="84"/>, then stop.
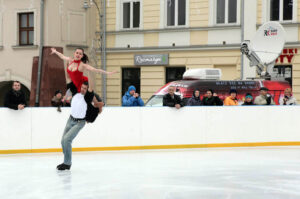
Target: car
<point x="185" y="89"/>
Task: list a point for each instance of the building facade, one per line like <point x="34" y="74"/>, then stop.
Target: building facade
<point x="153" y="42"/>
<point x="67" y="24"/>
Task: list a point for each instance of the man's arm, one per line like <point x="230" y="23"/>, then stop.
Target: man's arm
<point x="8" y="104"/>
<point x="90" y="93"/>
<point x="179" y="101"/>
<point x="127" y="102"/>
<point x="24" y="99"/>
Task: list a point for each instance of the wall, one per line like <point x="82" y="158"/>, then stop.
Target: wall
<point x="153" y="77"/>
<point x="40" y="129"/>
<point x="62" y="18"/>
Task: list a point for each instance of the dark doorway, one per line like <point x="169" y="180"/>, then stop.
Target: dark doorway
<point x="6" y="86"/>
<point x="174" y="73"/>
<point x="131" y="76"/>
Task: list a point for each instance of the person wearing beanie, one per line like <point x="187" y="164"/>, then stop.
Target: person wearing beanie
<point x="211" y="99"/>
<point x="131" y="98"/>
<point x="264" y="98"/>
<point x="195" y="100"/>
<point x="231" y="100"/>
<point x="248" y="100"/>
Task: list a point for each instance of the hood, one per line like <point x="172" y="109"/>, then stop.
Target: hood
<point x="195" y="92"/>
<point x="129" y="89"/>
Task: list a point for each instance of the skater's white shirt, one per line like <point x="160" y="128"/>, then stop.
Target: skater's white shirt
<point x="78" y="106"/>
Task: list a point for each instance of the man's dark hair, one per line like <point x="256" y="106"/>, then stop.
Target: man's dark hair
<point x="210" y="90"/>
<point x="86" y="83"/>
<point x="16" y="81"/>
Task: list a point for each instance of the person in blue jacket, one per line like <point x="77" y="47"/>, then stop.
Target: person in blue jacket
<point x="131" y="98"/>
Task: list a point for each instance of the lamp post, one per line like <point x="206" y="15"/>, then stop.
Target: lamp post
<point x="102" y="23"/>
<point x="242" y="36"/>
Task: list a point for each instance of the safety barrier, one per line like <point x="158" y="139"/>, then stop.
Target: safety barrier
<point x="119" y="128"/>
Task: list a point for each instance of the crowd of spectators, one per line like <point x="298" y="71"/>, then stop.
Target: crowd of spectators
<point x="15" y="98"/>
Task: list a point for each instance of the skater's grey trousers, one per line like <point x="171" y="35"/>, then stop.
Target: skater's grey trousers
<point x="71" y="131"/>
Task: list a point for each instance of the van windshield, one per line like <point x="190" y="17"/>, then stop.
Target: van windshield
<point x="155" y="100"/>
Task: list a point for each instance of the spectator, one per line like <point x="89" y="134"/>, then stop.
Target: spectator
<point x="288" y="98"/>
<point x="231" y="100"/>
<point x="57" y="100"/>
<point x="172" y="100"/>
<point x="264" y="98"/>
<point x="15" y="98"/>
<point x="248" y="100"/>
<point x="131" y="98"/>
<point x="211" y="99"/>
<point x="195" y="100"/>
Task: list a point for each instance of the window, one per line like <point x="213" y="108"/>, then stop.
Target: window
<point x="131" y="14"/>
<point x="176" y="12"/>
<point x="282" y="72"/>
<point x="174" y="73"/>
<point x="131" y="76"/>
<point x="26" y="28"/>
<point x="226" y="11"/>
<point x="281" y="10"/>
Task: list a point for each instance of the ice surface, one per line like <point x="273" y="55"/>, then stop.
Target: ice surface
<point x="229" y="173"/>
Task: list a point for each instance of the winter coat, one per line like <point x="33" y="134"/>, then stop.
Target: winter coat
<point x="56" y="102"/>
<point x="171" y="102"/>
<point x="262" y="100"/>
<point x="247" y="103"/>
<point x="291" y="101"/>
<point x="13" y="99"/>
<point x="229" y="101"/>
<point x="213" y="101"/>
<point x="129" y="100"/>
<point x="194" y="101"/>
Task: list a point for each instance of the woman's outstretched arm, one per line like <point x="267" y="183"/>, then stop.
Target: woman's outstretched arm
<point x="60" y="55"/>
<point x="92" y="69"/>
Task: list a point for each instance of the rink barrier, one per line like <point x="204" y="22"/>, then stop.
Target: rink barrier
<point x="39" y="130"/>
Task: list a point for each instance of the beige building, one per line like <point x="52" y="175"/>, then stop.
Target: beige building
<point x="66" y="24"/>
<point x="190" y="34"/>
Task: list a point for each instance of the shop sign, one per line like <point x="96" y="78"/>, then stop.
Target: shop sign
<point x="150" y="60"/>
<point x="287" y="55"/>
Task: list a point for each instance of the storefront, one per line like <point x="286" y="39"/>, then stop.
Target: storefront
<point x="150" y="71"/>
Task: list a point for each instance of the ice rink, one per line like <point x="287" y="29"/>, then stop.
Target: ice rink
<point x="229" y="173"/>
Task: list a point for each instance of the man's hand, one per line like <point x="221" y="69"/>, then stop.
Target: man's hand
<point x="215" y="94"/>
<point x="136" y="95"/>
<point x="177" y="106"/>
<point x="21" y="106"/>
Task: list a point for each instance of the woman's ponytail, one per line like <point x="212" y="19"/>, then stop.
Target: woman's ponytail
<point x="85" y="58"/>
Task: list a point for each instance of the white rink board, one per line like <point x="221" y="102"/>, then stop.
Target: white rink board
<point x="42" y="128"/>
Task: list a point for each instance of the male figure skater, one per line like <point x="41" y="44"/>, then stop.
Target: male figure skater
<point x="79" y="111"/>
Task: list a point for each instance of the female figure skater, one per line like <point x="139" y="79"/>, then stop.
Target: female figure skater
<point x="77" y="65"/>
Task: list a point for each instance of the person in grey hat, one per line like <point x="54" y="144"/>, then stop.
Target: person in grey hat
<point x="264" y="98"/>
